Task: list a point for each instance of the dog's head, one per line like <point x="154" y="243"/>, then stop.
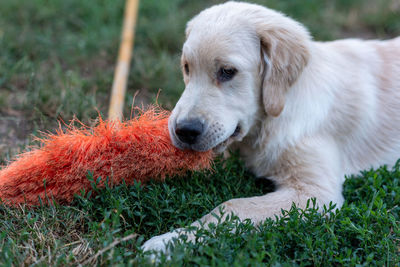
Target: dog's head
<point x="238" y="62"/>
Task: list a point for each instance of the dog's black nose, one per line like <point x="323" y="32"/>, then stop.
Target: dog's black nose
<point x="188" y="131"/>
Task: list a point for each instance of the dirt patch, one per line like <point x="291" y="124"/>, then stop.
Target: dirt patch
<point x="14" y="134"/>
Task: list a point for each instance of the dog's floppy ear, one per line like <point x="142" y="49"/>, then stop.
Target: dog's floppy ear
<point x="284" y="49"/>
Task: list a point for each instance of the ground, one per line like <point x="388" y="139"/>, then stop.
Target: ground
<point x="57" y="60"/>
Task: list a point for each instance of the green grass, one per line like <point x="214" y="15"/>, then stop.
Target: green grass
<point x="365" y="231"/>
<point x="56" y="61"/>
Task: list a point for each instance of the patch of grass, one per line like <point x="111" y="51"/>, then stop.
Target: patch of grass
<point x="55" y="64"/>
<point x="55" y="234"/>
<point x="365" y="231"/>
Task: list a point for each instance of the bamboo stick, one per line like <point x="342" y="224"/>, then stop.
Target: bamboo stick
<point x="124" y="57"/>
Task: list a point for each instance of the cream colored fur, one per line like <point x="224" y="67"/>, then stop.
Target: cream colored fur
<point x="310" y="112"/>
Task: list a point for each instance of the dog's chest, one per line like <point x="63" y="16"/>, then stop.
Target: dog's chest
<point x="257" y="159"/>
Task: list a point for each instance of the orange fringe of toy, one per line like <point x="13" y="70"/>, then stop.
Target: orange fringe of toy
<point x="134" y="150"/>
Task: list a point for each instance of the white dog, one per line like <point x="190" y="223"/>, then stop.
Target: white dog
<point x="302" y="113"/>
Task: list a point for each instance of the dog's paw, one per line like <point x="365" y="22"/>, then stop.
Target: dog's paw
<point x="159" y="243"/>
<point x="162" y="244"/>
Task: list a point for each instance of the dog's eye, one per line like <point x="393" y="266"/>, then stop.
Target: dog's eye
<point x="186" y="69"/>
<point x="226" y="74"/>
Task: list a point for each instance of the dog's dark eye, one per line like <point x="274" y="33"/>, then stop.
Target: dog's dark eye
<point x="226" y="74"/>
<point x="186" y="69"/>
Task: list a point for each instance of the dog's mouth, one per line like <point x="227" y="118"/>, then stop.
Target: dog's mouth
<point x="224" y="144"/>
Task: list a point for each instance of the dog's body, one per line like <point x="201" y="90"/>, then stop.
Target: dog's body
<point x="302" y="113"/>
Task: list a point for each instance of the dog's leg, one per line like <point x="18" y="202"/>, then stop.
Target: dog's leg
<point x="311" y="170"/>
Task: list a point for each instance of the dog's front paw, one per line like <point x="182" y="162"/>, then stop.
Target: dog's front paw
<point x="160" y="243"/>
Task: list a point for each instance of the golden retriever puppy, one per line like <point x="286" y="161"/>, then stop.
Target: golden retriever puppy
<point x="302" y="113"/>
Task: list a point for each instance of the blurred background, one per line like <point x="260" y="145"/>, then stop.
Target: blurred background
<point x="57" y="56"/>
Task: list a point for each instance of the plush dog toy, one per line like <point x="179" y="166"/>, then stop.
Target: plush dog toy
<point x="134" y="150"/>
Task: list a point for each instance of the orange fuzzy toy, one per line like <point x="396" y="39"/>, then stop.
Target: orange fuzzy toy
<point x="135" y="150"/>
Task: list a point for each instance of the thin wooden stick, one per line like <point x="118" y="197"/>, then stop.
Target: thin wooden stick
<point x="124" y="58"/>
